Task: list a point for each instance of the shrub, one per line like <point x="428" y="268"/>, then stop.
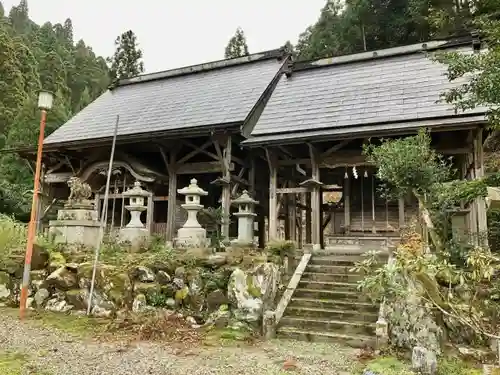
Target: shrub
<point x="281" y="248"/>
<point x="12" y="236"/>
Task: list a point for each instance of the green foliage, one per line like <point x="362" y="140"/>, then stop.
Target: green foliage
<point x="127" y="60"/>
<point x="463" y="295"/>
<point x="482" y="86"/>
<point x="281" y="248"/>
<point x="237" y="45"/>
<point x="388" y="366"/>
<point x="418" y="171"/>
<point x="34" y="57"/>
<point x="12" y="236"/>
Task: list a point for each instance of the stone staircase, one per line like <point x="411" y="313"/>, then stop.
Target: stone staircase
<point x="327" y="306"/>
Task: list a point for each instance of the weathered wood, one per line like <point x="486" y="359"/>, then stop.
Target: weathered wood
<point x="401" y="213"/>
<point x="292" y="215"/>
<point x="334" y="148"/>
<point x="202" y="167"/>
<point x="294" y="190"/>
<point x="196" y="150"/>
<point x="273" y="181"/>
<point x="479" y="173"/>
<point x="170" y="164"/>
<point x="347" y="205"/>
<point x="315" y="197"/>
<point x="226" y="190"/>
<point x="150" y="213"/>
<point x="355" y="157"/>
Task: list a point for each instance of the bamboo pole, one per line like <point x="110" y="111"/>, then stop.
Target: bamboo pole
<point x="103" y="218"/>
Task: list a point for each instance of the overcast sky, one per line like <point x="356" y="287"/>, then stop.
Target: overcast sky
<point x="182" y="32"/>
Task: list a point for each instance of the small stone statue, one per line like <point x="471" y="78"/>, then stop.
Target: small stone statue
<point x="80" y="192"/>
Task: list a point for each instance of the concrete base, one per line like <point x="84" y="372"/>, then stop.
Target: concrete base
<point x="191" y="237"/>
<point x="135" y="236"/>
<point x="83" y="232"/>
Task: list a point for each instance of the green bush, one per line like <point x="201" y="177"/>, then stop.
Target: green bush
<point x="12" y="236"/>
<point x="281" y="248"/>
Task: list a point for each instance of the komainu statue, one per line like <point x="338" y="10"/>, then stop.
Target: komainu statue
<point x="80" y="192"/>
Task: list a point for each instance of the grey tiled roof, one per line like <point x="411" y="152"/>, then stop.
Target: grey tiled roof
<point x="210" y="97"/>
<point x="395" y="89"/>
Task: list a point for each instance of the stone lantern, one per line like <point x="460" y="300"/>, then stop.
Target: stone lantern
<point x="246" y="215"/>
<point x="135" y="231"/>
<point x="192" y="234"/>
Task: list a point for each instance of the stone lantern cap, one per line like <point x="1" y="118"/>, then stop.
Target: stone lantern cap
<point x="244" y="198"/>
<point x="136" y="191"/>
<point x="192" y="189"/>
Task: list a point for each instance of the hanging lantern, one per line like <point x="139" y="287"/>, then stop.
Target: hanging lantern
<point x="355" y="172"/>
<point x="366" y="174"/>
<point x="346" y="176"/>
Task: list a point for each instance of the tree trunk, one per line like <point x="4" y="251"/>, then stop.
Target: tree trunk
<point x="426" y="216"/>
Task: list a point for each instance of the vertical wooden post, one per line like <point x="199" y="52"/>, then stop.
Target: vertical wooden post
<point x="347" y="205"/>
<point x="292" y="214"/>
<point x="226" y="188"/>
<point x="171" y="164"/>
<point x="374" y="228"/>
<point x="251" y="176"/>
<point x="480" y="202"/>
<point x="308" y="218"/>
<point x="273" y="200"/>
<point x="315" y="198"/>
<point x="150" y="212"/>
<point x="401" y="213"/>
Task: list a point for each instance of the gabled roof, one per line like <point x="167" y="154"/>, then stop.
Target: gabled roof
<point x="386" y="90"/>
<point x="216" y="94"/>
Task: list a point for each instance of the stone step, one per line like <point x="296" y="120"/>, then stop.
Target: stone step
<point x="334" y="269"/>
<point x="322" y="294"/>
<point x="333" y="314"/>
<point x="344" y="305"/>
<point x="328" y="325"/>
<point x="355" y="341"/>
<point x="335" y="260"/>
<point x="328" y="285"/>
<point x="332" y="277"/>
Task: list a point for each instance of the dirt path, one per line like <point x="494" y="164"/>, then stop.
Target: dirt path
<point x="54" y="352"/>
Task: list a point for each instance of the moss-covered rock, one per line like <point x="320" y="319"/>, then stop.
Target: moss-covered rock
<point x="64" y="278"/>
<point x="5" y="288"/>
<point x="56" y="260"/>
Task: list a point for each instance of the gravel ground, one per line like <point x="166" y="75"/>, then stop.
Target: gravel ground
<point x="55" y="352"/>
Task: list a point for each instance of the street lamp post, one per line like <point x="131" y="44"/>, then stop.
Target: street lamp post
<point x="44" y="103"/>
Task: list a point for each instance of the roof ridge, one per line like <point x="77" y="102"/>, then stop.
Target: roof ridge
<point x="278" y="53"/>
<point x="380" y="54"/>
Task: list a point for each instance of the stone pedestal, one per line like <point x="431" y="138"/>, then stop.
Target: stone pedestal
<point x="192" y="234"/>
<point x="76" y="224"/>
<point x="246" y="217"/>
<point x="135" y="232"/>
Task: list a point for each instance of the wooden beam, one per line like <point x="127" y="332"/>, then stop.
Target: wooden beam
<point x="334" y="148"/>
<point x="202" y="167"/>
<point x="196" y="150"/>
<point x="294" y="190"/>
<point x="226" y="189"/>
<point x="171" y="165"/>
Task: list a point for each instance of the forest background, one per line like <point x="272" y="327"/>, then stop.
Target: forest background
<point x="35" y="57"/>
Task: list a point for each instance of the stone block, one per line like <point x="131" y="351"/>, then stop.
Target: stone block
<point x="82" y="232"/>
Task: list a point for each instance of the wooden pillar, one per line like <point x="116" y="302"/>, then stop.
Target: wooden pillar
<point x="226" y="188"/>
<point x="292" y="215"/>
<point x="482" y="226"/>
<point x="347" y="204"/>
<point x="150" y="213"/>
<point x="401" y="213"/>
<point x="308" y="218"/>
<point x="171" y="164"/>
<point x="273" y="199"/>
<point x="315" y="198"/>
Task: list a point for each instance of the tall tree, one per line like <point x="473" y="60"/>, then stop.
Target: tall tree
<point x="2" y="11"/>
<point x="237" y="45"/>
<point x="127" y="60"/>
<point x="19" y="16"/>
